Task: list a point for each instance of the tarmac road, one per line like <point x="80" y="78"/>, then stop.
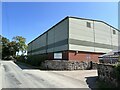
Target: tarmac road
<point x="15" y="77"/>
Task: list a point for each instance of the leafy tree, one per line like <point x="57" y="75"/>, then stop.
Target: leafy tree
<point x="5" y="48"/>
<point x="21" y="44"/>
<point x="5" y="41"/>
<point x="13" y="48"/>
<point x="8" y="49"/>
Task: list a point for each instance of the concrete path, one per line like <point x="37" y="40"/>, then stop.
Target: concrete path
<point x="16" y="77"/>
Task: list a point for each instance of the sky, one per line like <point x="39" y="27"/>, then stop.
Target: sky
<point x="119" y="24"/>
<point x="30" y="19"/>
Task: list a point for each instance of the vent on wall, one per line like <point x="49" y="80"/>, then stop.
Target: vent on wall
<point x="114" y="32"/>
<point x="88" y="24"/>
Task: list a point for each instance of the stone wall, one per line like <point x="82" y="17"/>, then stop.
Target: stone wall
<point x="65" y="65"/>
<point x="109" y="74"/>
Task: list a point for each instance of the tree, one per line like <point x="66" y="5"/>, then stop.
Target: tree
<point x="4" y="41"/>
<point x="21" y="44"/>
<point x="5" y="49"/>
<point x="13" y="48"/>
<point x="9" y="49"/>
<point x="0" y="47"/>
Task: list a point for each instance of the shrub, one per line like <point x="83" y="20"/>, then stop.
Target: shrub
<point x="36" y="60"/>
<point x="21" y="58"/>
<point x="117" y="69"/>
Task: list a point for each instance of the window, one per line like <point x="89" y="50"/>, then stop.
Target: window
<point x="89" y="24"/>
<point x="114" y="32"/>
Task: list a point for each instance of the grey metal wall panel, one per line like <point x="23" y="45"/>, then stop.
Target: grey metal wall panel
<point x="29" y="48"/>
<point x="59" y="44"/>
<point x="38" y="44"/>
<point x="102" y="33"/>
<point x="90" y="44"/>
<point x="61" y="31"/>
<point x="61" y="48"/>
<point x="50" y="40"/>
<point x="42" y="40"/>
<point x="79" y="31"/>
<point x="51" y="36"/>
<point x="55" y="39"/>
<point x="103" y="36"/>
<point x="98" y="38"/>
<point x="80" y="48"/>
<point x="114" y="38"/>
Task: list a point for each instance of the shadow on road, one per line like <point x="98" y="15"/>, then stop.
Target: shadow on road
<point x="91" y="81"/>
<point x="25" y="66"/>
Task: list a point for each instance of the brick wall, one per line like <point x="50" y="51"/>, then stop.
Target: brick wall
<point x="84" y="56"/>
<point x="80" y="56"/>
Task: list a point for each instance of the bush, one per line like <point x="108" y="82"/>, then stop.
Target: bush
<point x="20" y="58"/>
<point x="117" y="69"/>
<point x="36" y="60"/>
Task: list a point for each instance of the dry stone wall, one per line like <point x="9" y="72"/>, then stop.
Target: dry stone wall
<point x="109" y="74"/>
<point x="65" y="65"/>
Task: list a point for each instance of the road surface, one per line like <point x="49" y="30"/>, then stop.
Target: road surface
<point x="15" y="77"/>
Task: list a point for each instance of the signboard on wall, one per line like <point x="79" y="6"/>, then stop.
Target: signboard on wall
<point x="57" y="55"/>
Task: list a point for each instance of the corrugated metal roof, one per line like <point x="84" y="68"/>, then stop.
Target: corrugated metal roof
<point x="112" y="53"/>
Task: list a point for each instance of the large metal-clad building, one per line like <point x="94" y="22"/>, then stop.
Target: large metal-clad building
<point x="77" y="39"/>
